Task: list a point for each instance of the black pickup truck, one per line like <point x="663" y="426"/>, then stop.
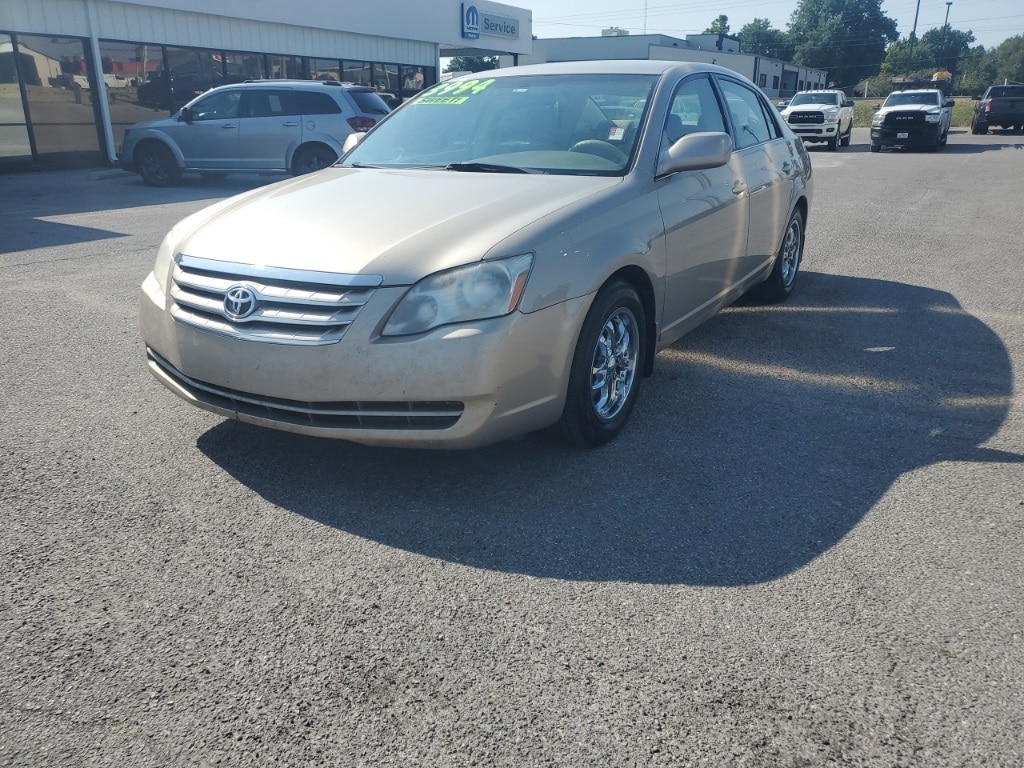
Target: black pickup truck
<point x="1002" y="106"/>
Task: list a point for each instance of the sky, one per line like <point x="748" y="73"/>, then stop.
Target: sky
<point x="991" y="21"/>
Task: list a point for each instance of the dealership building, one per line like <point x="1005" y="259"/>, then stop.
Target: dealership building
<point x="74" y="74"/>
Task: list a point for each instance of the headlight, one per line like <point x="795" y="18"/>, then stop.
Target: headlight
<point x="475" y="292"/>
<point x="164" y="257"/>
<point x="831" y="115"/>
<point x="932" y="116"/>
<point x="877" y="118"/>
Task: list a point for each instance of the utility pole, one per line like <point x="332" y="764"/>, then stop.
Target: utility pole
<point x="913" y="32"/>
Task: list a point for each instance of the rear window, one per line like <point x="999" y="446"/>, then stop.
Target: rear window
<point x="1007" y="92"/>
<point x="369" y="102"/>
<point x="313" y="103"/>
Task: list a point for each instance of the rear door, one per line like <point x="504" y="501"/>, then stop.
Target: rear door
<point x="767" y="166"/>
<point x="270" y="128"/>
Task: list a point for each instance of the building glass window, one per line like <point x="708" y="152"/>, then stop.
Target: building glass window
<point x="385" y="80"/>
<point x="239" y="67"/>
<point x="125" y="67"/>
<point x="360" y="72"/>
<point x="414" y="80"/>
<point x="324" y="69"/>
<point x="190" y="72"/>
<point x="14" y="139"/>
<point x="59" y="92"/>
<point x="284" y="67"/>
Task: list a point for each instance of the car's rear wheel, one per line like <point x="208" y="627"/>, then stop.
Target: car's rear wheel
<point x="607" y="367"/>
<point x="156" y="165"/>
<point x="313" y="158"/>
<point x="845" y="141"/>
<point x="779" y="285"/>
<point x="979" y="128"/>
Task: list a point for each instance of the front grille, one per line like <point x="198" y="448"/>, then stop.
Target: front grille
<point x="288" y="306"/>
<point x="324" y="415"/>
<point x="806" y="118"/>
<point x="904" y="120"/>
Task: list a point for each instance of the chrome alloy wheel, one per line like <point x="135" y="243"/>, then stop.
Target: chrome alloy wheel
<point x="790" y="254"/>
<point x="613" y="369"/>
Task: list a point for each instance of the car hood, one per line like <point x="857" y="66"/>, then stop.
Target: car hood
<point x="803" y="107"/>
<point x="398" y="224"/>
<point x="909" y="108"/>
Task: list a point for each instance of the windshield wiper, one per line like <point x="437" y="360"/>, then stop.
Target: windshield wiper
<point x="489" y="168"/>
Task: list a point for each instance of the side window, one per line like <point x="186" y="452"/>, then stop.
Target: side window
<point x="272" y="103"/>
<point x="748" y="116"/>
<point x="313" y="103"/>
<point x="694" y="109"/>
<point x="217" y="106"/>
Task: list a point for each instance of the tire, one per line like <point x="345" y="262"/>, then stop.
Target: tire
<point x="156" y="165"/>
<point x="780" y="283"/>
<point x="982" y="128"/>
<point x="607" y="367"/>
<point x="312" y="158"/>
<point x="845" y="141"/>
<point x="876" y="147"/>
<point x="833" y="144"/>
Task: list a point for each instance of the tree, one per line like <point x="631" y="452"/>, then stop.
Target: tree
<point x="847" y="38"/>
<point x="719" y="25"/>
<point x="906" y="57"/>
<point x="760" y="38"/>
<point x="948" y="45"/>
<point x="1008" y="60"/>
<point x="471" y="63"/>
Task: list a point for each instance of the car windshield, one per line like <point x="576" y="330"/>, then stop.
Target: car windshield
<point x="902" y="99"/>
<point x="814" y="98"/>
<point x="566" y="124"/>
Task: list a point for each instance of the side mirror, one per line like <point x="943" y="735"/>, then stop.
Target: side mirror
<point x="876" y="106"/>
<point x="351" y="140"/>
<point x="696" y="152"/>
<point x="975" y="98"/>
<point x="949" y="103"/>
<point x="185" y="114"/>
<point x="847" y="103"/>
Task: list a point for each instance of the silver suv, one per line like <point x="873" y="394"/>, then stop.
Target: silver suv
<point x="263" y="126"/>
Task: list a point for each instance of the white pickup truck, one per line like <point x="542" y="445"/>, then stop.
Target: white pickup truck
<point x="912" y="119"/>
<point x="821" y="116"/>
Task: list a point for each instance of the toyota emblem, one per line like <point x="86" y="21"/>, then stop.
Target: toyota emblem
<point x="239" y="301"/>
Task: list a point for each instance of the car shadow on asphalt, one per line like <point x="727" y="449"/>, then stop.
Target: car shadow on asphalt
<point x="32" y="203"/>
<point x="762" y="439"/>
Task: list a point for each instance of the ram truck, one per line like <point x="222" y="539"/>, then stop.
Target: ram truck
<point x="1002" y="106"/>
<point x="820" y="116"/>
<point x="918" y="118"/>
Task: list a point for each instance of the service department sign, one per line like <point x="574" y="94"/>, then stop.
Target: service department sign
<point x="476" y="22"/>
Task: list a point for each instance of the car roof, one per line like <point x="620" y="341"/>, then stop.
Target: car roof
<point x="604" y="67"/>
<point x="918" y="90"/>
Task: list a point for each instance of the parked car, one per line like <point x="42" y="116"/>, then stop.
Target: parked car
<point x="917" y="118"/>
<point x="822" y="116"/>
<point x="496" y="257"/>
<point x="1002" y="106"/>
<point x="260" y="126"/>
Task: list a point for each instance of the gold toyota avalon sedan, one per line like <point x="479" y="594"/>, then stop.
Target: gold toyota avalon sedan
<point x="504" y="253"/>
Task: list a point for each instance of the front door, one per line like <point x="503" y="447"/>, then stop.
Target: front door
<point x="210" y="138"/>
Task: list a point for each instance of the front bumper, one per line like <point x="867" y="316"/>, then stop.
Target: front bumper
<point x="459" y="386"/>
<point x="824" y="132"/>
<point x="924" y="135"/>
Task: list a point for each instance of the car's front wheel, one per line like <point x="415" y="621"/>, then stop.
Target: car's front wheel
<point x="607" y="367"/>
<point x="156" y="165"/>
<point x="312" y="158"/>
<point x="782" y="279"/>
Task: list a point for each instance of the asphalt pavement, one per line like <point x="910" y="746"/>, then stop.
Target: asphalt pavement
<point x="804" y="550"/>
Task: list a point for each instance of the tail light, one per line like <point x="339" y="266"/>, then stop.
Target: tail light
<point x="362" y="124"/>
<point x="988" y="105"/>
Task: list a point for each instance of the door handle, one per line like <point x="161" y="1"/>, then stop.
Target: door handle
<point x="228" y="125"/>
<point x="290" y="124"/>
